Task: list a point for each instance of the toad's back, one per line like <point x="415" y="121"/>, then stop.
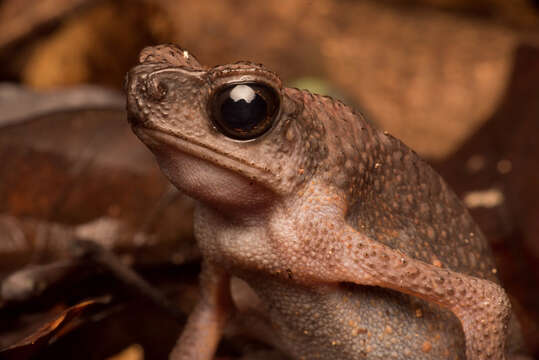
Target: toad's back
<point x="393" y="195"/>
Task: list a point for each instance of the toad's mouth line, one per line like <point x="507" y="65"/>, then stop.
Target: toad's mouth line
<point x="156" y="138"/>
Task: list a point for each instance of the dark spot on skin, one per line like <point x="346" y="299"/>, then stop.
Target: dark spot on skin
<point x="289" y="273"/>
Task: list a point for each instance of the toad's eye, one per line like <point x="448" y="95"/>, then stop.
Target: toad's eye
<point x="244" y="111"/>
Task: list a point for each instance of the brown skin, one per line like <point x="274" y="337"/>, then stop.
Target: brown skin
<point x="354" y="246"/>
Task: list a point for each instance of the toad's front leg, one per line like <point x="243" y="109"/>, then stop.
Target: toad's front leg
<point x="481" y="306"/>
<point x="202" y="332"/>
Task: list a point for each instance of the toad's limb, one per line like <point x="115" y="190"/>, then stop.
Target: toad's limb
<point x="482" y="306"/>
<point x="204" y="327"/>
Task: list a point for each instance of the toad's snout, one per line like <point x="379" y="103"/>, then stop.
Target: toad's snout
<point x="144" y="90"/>
<point x="160" y="80"/>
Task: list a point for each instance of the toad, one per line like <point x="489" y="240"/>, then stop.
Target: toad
<point x="354" y="246"/>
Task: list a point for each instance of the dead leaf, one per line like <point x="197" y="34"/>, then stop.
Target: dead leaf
<point x="49" y="332"/>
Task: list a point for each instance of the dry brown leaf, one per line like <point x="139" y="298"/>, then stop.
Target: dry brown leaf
<point x="48" y="332"/>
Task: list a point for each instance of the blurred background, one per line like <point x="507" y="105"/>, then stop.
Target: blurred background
<point x="456" y="80"/>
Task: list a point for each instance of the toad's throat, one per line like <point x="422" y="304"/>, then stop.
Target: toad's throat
<point x="158" y="139"/>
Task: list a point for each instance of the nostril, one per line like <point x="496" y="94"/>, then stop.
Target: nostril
<point x="156" y="89"/>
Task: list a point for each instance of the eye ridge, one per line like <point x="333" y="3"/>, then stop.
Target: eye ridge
<point x="244" y="110"/>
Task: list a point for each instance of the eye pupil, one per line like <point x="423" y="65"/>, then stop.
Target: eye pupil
<point x="244" y="111"/>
